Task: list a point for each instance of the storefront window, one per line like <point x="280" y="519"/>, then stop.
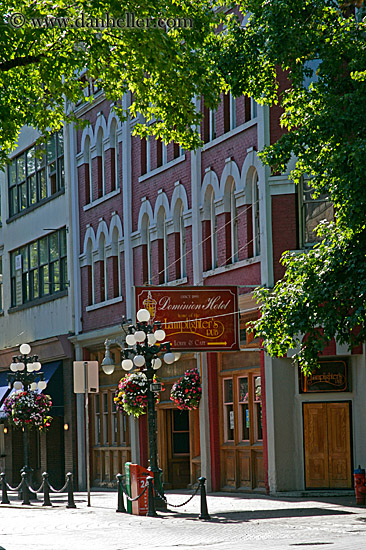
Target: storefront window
<point x="258" y="408"/>
<point x="244" y="409"/>
<point x="228" y="410"/>
<point x="105" y="419"/>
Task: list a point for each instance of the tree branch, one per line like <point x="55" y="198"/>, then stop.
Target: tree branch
<point x="19" y="62"/>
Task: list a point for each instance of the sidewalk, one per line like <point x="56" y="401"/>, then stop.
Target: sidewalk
<point x="245" y="521"/>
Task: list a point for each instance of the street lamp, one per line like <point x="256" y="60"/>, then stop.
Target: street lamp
<point x="25" y="375"/>
<point x="141" y="348"/>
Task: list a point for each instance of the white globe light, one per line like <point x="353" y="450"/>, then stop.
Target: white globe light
<point x="139" y="360"/>
<point x="14" y="367"/>
<point x="21" y="366"/>
<point x="127" y="364"/>
<point x="159" y="335"/>
<point x="151" y="339"/>
<point x="140" y="336"/>
<point x="37" y="365"/>
<point x="169" y="358"/>
<point x="108" y="369"/>
<point x="25" y="349"/>
<point x="156" y="363"/>
<point x="30" y="367"/>
<point x="130" y="340"/>
<point x="42" y="385"/>
<point x="143" y="315"/>
<point x="18" y="385"/>
<point x="33" y="386"/>
<point x="177" y="356"/>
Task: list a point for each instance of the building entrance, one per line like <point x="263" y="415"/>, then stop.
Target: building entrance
<point x="327" y="445"/>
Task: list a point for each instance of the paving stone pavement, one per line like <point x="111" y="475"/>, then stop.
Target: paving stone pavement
<point x="245" y="521"/>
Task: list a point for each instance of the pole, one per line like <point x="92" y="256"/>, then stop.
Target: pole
<point x="87" y="430"/>
<point x="153" y="452"/>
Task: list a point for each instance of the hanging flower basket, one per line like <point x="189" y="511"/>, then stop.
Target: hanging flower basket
<point x="186" y="393"/>
<point x="131" y="395"/>
<point x="28" y="409"/>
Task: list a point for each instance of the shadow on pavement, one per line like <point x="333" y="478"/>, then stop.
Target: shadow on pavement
<point x="240" y="517"/>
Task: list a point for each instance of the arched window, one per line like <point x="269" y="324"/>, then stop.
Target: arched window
<point x="88" y="173"/>
<point x="102" y="271"/>
<point x="162" y="247"/>
<point x="101" y="163"/>
<point x="256" y="221"/>
<point x="180" y="241"/>
<point x="146" y="250"/>
<point x="115" y="164"/>
<point x="209" y="229"/>
<point x="90" y="273"/>
<point x="231" y="223"/>
<point x="116" y="265"/>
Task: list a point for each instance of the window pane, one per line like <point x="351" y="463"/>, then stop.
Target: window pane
<point x="44" y="276"/>
<point x="34" y="290"/>
<point x="42" y="184"/>
<point x="63" y="273"/>
<point x="60" y="139"/>
<point x="245" y="421"/>
<point x="21" y="168"/>
<point x="63" y="242"/>
<point x="258" y="413"/>
<point x="51" y="149"/>
<point x="31" y="161"/>
<point x="257" y="389"/>
<point x="13" y="201"/>
<point x="54" y="246"/>
<point x="43" y="251"/>
<point x="32" y="189"/>
<point x="61" y="174"/>
<point x="243" y="389"/>
<point x="229" y="411"/>
<point x="24" y="253"/>
<point x="228" y="391"/>
<point x="12" y="173"/>
<point x="23" y="196"/>
<point x="33" y="254"/>
<point x="181" y="443"/>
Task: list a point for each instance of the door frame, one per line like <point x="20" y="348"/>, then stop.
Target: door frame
<point x="349" y="401"/>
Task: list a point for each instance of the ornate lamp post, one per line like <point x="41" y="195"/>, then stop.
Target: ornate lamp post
<point x="24" y="373"/>
<point x="144" y="343"/>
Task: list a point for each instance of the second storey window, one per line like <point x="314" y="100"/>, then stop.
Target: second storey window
<point x="39" y="268"/>
<point x="33" y="177"/>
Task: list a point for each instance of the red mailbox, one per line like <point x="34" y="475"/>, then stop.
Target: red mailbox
<point x="139" y="477"/>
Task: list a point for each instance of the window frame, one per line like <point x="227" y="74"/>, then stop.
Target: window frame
<point x="21" y="190"/>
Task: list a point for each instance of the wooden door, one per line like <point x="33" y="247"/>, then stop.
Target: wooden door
<point x="327" y="445"/>
<point x="178" y="449"/>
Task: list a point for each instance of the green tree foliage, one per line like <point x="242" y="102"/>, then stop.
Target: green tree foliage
<point x="323" y="292"/>
<point x="41" y="64"/>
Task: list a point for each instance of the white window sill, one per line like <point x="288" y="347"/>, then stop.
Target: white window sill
<point x="231" y="267"/>
<point x="162" y="168"/>
<point x="230" y="134"/>
<point x="177" y="282"/>
<point x="102" y="199"/>
<point x="104" y="304"/>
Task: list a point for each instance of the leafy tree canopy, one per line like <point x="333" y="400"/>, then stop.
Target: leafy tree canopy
<point x="41" y="63"/>
<point x="323" y="292"/>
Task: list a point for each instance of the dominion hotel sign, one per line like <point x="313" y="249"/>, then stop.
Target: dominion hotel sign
<point x="194" y="318"/>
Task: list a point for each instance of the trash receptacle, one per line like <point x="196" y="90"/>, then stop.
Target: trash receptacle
<point x="138" y="477"/>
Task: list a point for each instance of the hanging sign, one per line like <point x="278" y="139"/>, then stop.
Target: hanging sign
<point x="194" y="318"/>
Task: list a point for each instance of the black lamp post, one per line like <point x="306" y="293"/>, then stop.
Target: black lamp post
<point x="144" y="343"/>
<point x="25" y="375"/>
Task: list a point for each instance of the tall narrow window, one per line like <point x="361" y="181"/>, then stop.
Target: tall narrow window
<point x="88" y="173"/>
<point x="143" y="165"/>
<point x="105" y="418"/>
<point x="182" y="237"/>
<point x="233" y="226"/>
<point x="159" y="152"/>
<point x="162" y="247"/>
<point x="146" y="250"/>
<point x="232" y="112"/>
<point x="213" y="226"/>
<point x="226" y="105"/>
<point x="212" y="124"/>
<point x="103" y="171"/>
<point x="114" y="157"/>
<point x="256" y="220"/>
<point x="116" y="265"/>
<point x="244" y="409"/>
<point x="97" y="419"/>
<point x="101" y="164"/>
<point x="247" y="108"/>
<point x="228" y="409"/>
<point x="312" y="212"/>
